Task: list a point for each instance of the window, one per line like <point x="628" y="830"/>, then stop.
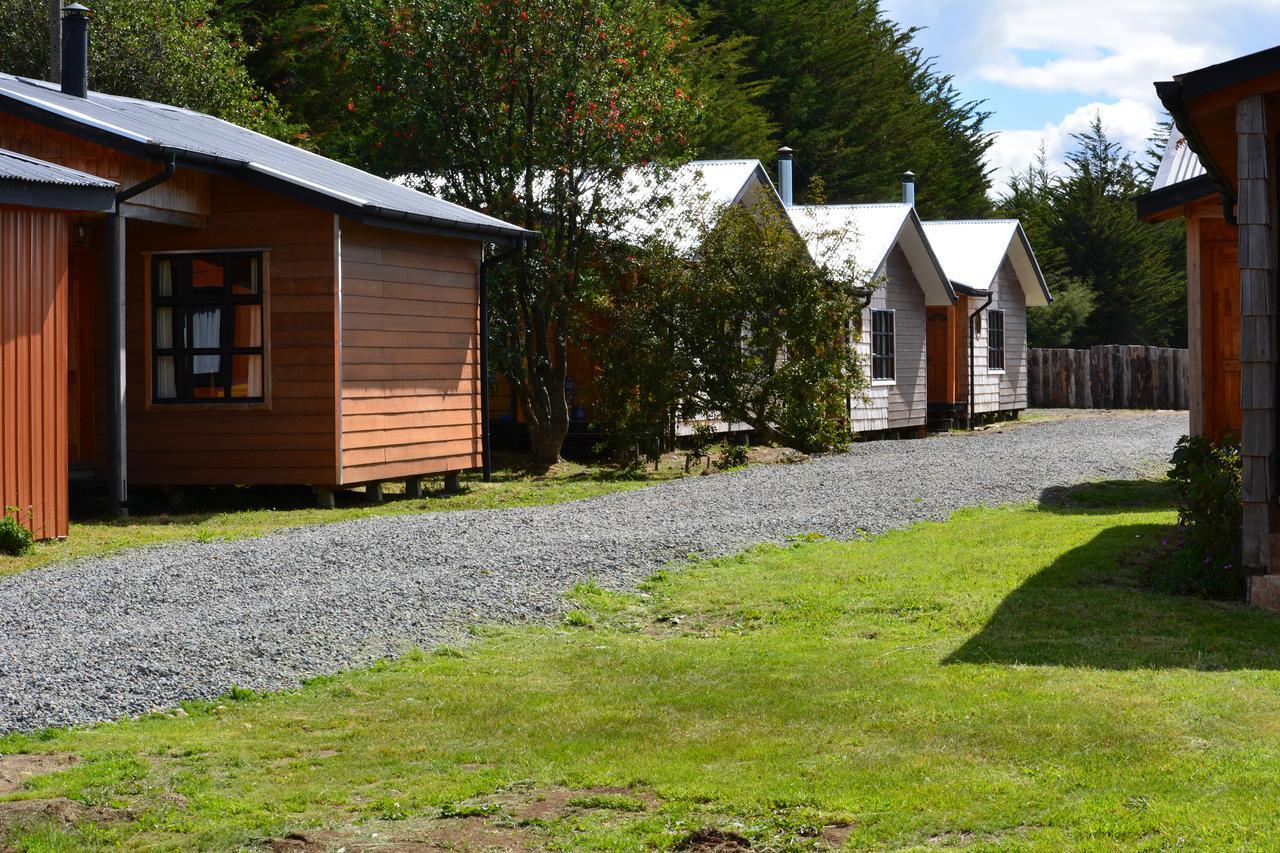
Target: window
<point x="207" y="328"/>
<point x="882" y="366"/>
<point x="995" y="340"/>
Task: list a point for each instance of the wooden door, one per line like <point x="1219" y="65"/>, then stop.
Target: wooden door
<point x="1221" y="322"/>
<point x="80" y="367"/>
<point x="940" y="351"/>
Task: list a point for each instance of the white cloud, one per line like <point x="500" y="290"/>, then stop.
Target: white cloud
<point x="1127" y="122"/>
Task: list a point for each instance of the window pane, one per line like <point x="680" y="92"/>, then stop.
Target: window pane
<point x="248" y="326"/>
<point x="243" y="274"/>
<point x="206" y="275"/>
<point x="164" y="278"/>
<point x="165" y="381"/>
<point x="206" y="328"/>
<point x="246" y="376"/>
<point x="206" y="378"/>
<point x="164" y="327"/>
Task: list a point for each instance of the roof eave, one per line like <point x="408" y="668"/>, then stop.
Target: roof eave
<point x="1174" y="99"/>
<point x="56" y="196"/>
<point x="1165" y="199"/>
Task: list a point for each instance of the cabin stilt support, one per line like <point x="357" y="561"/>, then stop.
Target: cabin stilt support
<point x="413" y="488"/>
<point x="453" y="482"/>
<point x="373" y="493"/>
<point x="324" y="498"/>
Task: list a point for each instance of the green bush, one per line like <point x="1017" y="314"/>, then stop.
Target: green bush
<point x="1206" y="482"/>
<point x="733" y="456"/>
<point x="15" y="539"/>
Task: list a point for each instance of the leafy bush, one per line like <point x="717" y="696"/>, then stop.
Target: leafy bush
<point x="15" y="539"/>
<point x="733" y="456"/>
<point x="1206" y="482"/>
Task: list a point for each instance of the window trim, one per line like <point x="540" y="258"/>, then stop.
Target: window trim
<point x="151" y="405"/>
<point x="1003" y="350"/>
<point x="893" y="339"/>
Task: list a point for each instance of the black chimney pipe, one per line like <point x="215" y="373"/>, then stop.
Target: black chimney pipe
<point x="75" y="51"/>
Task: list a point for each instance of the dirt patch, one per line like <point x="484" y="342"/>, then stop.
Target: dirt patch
<point x="836" y="836"/>
<point x="15" y="770"/>
<point x="712" y="840"/>
<point x="58" y="811"/>
<point x="444" y="834"/>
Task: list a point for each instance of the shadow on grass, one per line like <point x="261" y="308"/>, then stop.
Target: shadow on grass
<point x="1091" y="607"/>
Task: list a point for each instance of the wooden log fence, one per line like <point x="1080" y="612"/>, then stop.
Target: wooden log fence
<point x="1108" y="377"/>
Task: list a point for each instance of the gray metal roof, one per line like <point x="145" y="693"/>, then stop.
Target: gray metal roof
<point x="19" y="167"/>
<point x="1178" y="164"/>
<point x="201" y="141"/>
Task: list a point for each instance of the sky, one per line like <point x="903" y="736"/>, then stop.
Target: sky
<point x="1046" y="67"/>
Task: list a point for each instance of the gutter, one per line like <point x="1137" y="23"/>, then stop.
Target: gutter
<point x="972" y="360"/>
<point x="486" y="460"/>
<point x="118" y="440"/>
<point x="1171" y="95"/>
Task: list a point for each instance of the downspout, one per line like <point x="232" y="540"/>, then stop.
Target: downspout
<point x="486" y="460"/>
<point x="972" y="363"/>
<point x="116" y="295"/>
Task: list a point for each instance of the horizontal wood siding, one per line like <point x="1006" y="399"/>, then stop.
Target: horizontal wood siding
<point x="186" y="194"/>
<point x="410" y="354"/>
<point x="292" y="438"/>
<point x="995" y="391"/>
<point x="903" y="403"/>
<point x="33" y="368"/>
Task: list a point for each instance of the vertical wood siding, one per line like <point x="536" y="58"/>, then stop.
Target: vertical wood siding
<point x="410" y="354"/>
<point x="904" y="403"/>
<point x="33" y="368"/>
<point x="996" y="391"/>
<point x="292" y="438"/>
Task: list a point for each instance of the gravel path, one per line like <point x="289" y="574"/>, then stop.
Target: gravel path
<point x="101" y="638"/>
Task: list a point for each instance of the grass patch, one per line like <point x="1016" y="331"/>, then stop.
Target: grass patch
<point x="998" y="680"/>
<point x="240" y="513"/>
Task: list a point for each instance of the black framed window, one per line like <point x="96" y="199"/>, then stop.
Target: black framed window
<point x="995" y="340"/>
<point x="882" y="345"/>
<point x="207" y="328"/>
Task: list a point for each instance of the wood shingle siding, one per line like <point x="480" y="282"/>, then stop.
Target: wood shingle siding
<point x="902" y="403"/>
<point x="33" y="368"/>
<point x="996" y="391"/>
<point x="410" y="354"/>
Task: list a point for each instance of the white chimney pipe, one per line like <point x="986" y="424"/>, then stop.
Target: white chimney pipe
<point x="909" y="188"/>
<point x="784" y="175"/>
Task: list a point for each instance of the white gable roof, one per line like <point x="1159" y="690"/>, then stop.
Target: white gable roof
<point x="972" y="251"/>
<point x="865" y="234"/>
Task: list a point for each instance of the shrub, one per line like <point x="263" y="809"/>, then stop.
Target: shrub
<point x="15" y="539"/>
<point x="733" y="456"/>
<point x="1206" y="482"/>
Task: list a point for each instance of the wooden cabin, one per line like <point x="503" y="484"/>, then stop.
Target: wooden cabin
<point x="694" y="192"/>
<point x="245" y="312"/>
<point x="978" y="346"/>
<point x="1182" y="188"/>
<point x="1229" y="117"/>
<point x="888" y="242"/>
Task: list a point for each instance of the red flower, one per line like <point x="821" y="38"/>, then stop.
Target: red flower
<point x="351" y="106"/>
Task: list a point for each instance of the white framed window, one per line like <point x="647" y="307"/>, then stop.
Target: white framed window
<point x="883" y="346"/>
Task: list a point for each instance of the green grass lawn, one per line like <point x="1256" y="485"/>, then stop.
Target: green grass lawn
<point x="237" y="513"/>
<point x="1002" y="680"/>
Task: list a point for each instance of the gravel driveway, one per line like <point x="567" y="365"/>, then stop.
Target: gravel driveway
<point x="100" y="638"/>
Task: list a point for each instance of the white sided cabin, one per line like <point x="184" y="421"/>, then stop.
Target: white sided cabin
<point x="888" y="242"/>
<point x="993" y="269"/>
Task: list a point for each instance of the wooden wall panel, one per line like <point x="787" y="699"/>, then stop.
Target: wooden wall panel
<point x="410" y="354"/>
<point x="293" y="437"/>
<point x="902" y="403"/>
<point x="33" y="368"/>
<point x="185" y="194"/>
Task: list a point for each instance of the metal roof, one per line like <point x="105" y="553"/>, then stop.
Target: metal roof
<point x="1179" y="163"/>
<point x="203" y="142"/>
<point x="865" y="234"/>
<point x="972" y="251"/>
<point x="20" y="167"/>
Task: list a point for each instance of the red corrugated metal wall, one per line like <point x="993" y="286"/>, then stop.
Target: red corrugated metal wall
<point x="33" y="367"/>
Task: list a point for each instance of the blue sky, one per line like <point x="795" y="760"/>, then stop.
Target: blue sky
<point x="1045" y="67"/>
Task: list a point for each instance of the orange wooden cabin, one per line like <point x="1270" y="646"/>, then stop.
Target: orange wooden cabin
<point x="1220" y="175"/>
<point x="243" y="312"/>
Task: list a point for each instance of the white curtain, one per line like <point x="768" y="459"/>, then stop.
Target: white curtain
<point x="206" y="333"/>
<point x="164" y="327"/>
<point x="164" y="278"/>
<point x="255" y="376"/>
<point x="166" y="385"/>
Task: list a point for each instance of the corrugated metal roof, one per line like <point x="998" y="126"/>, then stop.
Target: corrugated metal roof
<point x="1178" y="164"/>
<point x="19" y="167"/>
<point x="865" y="234"/>
<point x="971" y="251"/>
<point x="202" y="140"/>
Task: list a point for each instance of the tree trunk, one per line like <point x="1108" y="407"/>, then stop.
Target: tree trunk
<point x="545" y="441"/>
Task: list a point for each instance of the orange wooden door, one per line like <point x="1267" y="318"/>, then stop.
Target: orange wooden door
<point x="939" y="354"/>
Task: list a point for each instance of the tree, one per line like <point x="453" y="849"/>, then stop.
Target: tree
<point x="172" y="51"/>
<point x="534" y="111"/>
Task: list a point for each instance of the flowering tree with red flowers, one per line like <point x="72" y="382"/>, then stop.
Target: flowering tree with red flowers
<point x="537" y="112"/>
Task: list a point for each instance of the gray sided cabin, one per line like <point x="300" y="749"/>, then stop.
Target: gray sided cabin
<point x="242" y="312"/>
<point x="978" y="365"/>
<point x="887" y="241"/>
<point x="1229" y="116"/>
